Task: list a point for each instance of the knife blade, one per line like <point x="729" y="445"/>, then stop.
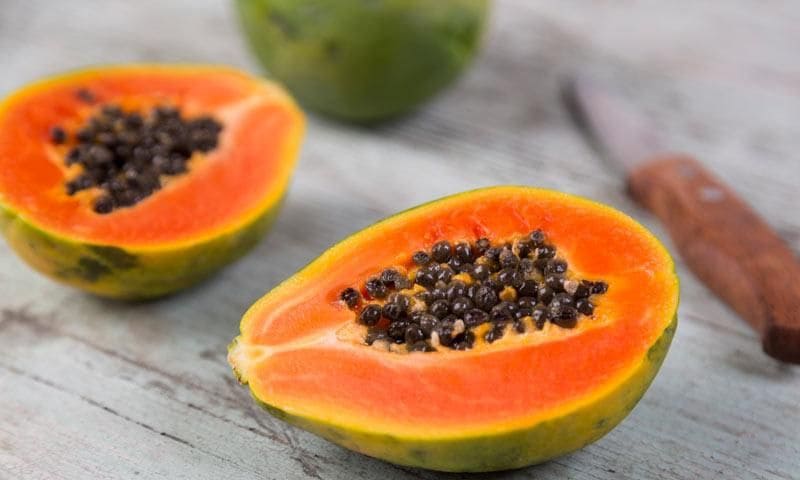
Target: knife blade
<point x="724" y="241"/>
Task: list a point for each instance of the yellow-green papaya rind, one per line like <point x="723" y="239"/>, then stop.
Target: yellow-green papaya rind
<point x="130" y="273"/>
<point x="364" y="61"/>
<point x="504" y="450"/>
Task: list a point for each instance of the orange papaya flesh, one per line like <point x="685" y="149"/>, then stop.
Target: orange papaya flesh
<point x="218" y="209"/>
<point x="554" y="390"/>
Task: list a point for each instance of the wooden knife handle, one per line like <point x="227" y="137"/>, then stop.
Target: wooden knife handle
<point x="728" y="246"/>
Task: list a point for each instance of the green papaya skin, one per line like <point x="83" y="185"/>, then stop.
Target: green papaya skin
<point x="364" y="60"/>
<point x="128" y="273"/>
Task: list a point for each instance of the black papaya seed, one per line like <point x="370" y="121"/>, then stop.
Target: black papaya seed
<point x="554" y="282"/>
<point x="544" y="294"/>
<point x="526" y="302"/>
<point x="471" y="289"/>
<point x="493" y="253"/>
<point x="481" y="245"/>
<point x="397" y="331"/>
<point x="545" y="252"/>
<point x="439" y="293"/>
<point x="441" y="251"/>
<point x="440" y="308"/>
<point x="495" y="333"/>
<point x="428" y="323"/>
<point x="523" y="248"/>
<point x="527" y="289"/>
<point x="584" y="306"/>
<point x="376" y="288"/>
<point x="564" y="299"/>
<point x="508" y="259"/>
<point x="103" y="204"/>
<point x="414" y="334"/>
<point x="466" y="268"/>
<point x="389" y="277"/>
<point x="485" y="297"/>
<point x="58" y="135"/>
<point x="401" y="300"/>
<point x="425" y="277"/>
<point x="392" y="311"/>
<point x="421" y="258"/>
<point x="583" y="290"/>
<point x="457" y="288"/>
<point x="539" y="315"/>
<point x="502" y="312"/>
<point x="370" y="315"/>
<point x="424" y="296"/>
<point x="526" y="266"/>
<point x="556" y="266"/>
<point x="454" y="264"/>
<point x="480" y="272"/>
<point x="463" y="252"/>
<point x="460" y="305"/>
<point x="537" y="238"/>
<point x="350" y="297"/>
<point x="85" y="95"/>
<point x="445" y="334"/>
<point x="567" y="318"/>
<point x="494" y="284"/>
<point x="599" y="288"/>
<point x="475" y="317"/>
<point x="445" y="274"/>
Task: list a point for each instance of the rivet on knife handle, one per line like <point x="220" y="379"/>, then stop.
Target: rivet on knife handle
<point x="728" y="246"/>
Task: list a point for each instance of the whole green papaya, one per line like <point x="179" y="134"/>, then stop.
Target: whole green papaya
<point x="364" y="60"/>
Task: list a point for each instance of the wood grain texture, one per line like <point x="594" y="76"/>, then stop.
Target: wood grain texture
<point x="103" y="390"/>
<point x="728" y="246"/>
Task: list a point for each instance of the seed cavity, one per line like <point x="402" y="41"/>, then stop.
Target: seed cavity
<point x="127" y="155"/>
<point x="447" y="297"/>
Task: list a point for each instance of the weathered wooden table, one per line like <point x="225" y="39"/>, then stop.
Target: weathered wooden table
<point x="97" y="389"/>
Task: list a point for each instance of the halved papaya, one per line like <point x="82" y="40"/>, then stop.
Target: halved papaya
<point x="452" y="388"/>
<point x="136" y="181"/>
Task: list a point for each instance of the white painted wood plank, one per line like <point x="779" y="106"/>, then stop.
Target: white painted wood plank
<point x="96" y="389"/>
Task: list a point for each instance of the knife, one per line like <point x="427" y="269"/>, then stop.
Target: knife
<point x="725" y="243"/>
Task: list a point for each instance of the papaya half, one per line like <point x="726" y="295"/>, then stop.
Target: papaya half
<point x="135" y="181"/>
<point x="489" y="330"/>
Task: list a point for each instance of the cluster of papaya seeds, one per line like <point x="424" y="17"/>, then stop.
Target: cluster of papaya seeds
<point x="126" y="155"/>
<point x="457" y="291"/>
